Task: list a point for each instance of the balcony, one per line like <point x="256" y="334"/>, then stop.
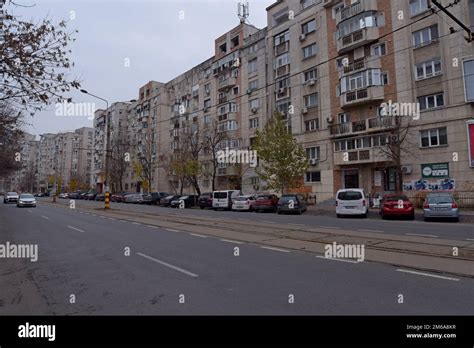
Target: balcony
<point x="227" y="83"/>
<point x="282" y="71"/>
<point x="282" y="93"/>
<point x="223" y="99"/>
<point x="357" y="39"/>
<point x="355" y="9"/>
<point x="362" y="96"/>
<point x="362" y="64"/>
<point x="363" y="156"/>
<point x="282" y="48"/>
<point x="364" y="126"/>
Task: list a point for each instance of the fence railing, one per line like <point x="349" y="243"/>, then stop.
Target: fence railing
<point x="464" y="199"/>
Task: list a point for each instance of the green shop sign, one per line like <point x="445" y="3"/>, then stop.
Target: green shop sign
<point x="435" y="170"/>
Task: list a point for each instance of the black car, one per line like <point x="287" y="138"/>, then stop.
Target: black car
<point x="165" y="202"/>
<point x="188" y="200"/>
<point x="205" y="200"/>
<point x="292" y="203"/>
<point x="154" y="197"/>
<point x="75" y="195"/>
<point x="90" y="196"/>
<point x="100" y="197"/>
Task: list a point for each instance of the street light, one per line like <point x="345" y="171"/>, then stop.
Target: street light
<point x="107" y="145"/>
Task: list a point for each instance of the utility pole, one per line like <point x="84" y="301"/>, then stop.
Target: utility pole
<point x="470" y="37"/>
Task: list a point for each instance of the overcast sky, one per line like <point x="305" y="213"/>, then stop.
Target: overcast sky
<point x="150" y="33"/>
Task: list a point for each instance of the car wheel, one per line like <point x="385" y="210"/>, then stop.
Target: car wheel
<point x="456" y="219"/>
<point x="426" y="218"/>
<point x="338" y="216"/>
<point x="412" y="216"/>
<point x="279" y="212"/>
<point x="365" y="215"/>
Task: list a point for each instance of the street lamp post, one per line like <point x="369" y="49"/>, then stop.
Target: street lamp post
<point x="107" y="147"/>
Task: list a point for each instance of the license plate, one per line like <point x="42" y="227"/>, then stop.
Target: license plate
<point x="441" y="208"/>
<point x="350" y="207"/>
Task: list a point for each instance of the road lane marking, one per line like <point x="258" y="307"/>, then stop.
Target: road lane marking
<point x="275" y="249"/>
<point x="334" y="259"/>
<point x="198" y="235"/>
<point x="365" y="230"/>
<point x="231" y="241"/>
<point x="151" y="226"/>
<point x="172" y="230"/>
<point x="470" y="239"/>
<point x="74" y="228"/>
<point x="30" y="210"/>
<point x="427" y="274"/>
<point x="136" y="223"/>
<point x="269" y="222"/>
<point x="111" y="218"/>
<point x="45" y="217"/>
<point x="336" y="228"/>
<point x="421" y="235"/>
<point x="168" y="265"/>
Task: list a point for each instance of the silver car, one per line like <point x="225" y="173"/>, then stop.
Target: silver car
<point x="440" y="205"/>
<point x="10" y="197"/>
<point x="26" y="200"/>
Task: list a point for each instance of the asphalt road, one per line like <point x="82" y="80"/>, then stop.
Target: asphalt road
<point x="84" y="255"/>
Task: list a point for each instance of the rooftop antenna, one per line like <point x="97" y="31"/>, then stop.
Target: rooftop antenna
<point x="243" y="9"/>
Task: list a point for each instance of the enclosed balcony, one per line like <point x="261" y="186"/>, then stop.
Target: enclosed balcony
<point x="360" y="65"/>
<point x="373" y="155"/>
<point x="375" y="124"/>
<point x="362" y="96"/>
<point x="356" y="8"/>
<point x="227" y="83"/>
<point x="356" y="39"/>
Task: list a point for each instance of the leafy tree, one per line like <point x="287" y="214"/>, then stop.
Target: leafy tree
<point x="282" y="160"/>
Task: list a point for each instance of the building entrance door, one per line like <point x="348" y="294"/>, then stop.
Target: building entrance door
<point x="351" y="178"/>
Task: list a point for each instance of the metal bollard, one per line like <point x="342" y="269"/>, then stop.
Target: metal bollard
<point x="107" y="200"/>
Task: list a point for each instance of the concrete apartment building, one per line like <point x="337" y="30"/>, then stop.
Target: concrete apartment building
<point x="328" y="66"/>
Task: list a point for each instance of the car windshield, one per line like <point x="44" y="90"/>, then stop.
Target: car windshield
<point x="286" y="199"/>
<point x="12" y="193"/>
<point x="184" y="197"/>
<point x="396" y="198"/>
<point x="243" y="198"/>
<point x="26" y="196"/>
<point x="440" y="199"/>
<point x="262" y="198"/>
<point x="349" y="195"/>
<point x="220" y="195"/>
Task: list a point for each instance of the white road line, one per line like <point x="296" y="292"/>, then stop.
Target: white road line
<point x="171" y="230"/>
<point x="364" y="230"/>
<point x="421" y="235"/>
<point x="168" y="265"/>
<point x="136" y="223"/>
<point x="276" y="249"/>
<point x="297" y="224"/>
<point x="269" y="222"/>
<point x="231" y="241"/>
<point x="45" y="217"/>
<point x="470" y="239"/>
<point x="30" y="210"/>
<point x="340" y="260"/>
<point x="151" y="226"/>
<point x="73" y="228"/>
<point x="198" y="235"/>
<point x="427" y="274"/>
<point x="336" y="228"/>
<point x="111" y="218"/>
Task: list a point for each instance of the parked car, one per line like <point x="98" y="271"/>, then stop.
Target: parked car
<point x="75" y="195"/>
<point x="351" y="202"/>
<point x="10" y="197"/>
<point x="243" y="203"/>
<point x="394" y="205"/>
<point x="83" y="195"/>
<point x="205" y="200"/>
<point x="99" y="197"/>
<point x="224" y="199"/>
<point x="154" y="197"/>
<point x="90" y="196"/>
<point x="119" y="197"/>
<point x="266" y="203"/>
<point x="292" y="203"/>
<point x="26" y="200"/>
<point x="440" y="205"/>
<point x="189" y="201"/>
<point x="134" y="198"/>
<point x="165" y="202"/>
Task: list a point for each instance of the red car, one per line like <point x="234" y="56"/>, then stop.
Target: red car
<point x="397" y="206"/>
<point x="265" y="203"/>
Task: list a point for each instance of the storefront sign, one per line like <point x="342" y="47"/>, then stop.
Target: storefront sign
<point x="435" y="170"/>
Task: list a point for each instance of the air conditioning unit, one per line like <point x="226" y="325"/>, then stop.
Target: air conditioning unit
<point x="313" y="161"/>
<point x="394" y="139"/>
<point x="208" y="91"/>
<point x="254" y="110"/>
<point x="305" y="110"/>
<point x="302" y="37"/>
<point x="249" y="91"/>
<point x="406" y="169"/>
<point x="312" y="82"/>
<point x="281" y="91"/>
<point x="330" y="119"/>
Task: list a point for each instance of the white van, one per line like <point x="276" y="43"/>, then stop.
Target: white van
<point x="352" y="202"/>
<point x="224" y="199"/>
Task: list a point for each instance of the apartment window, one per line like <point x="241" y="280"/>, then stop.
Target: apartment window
<point x="370" y="77"/>
<point x="253" y="48"/>
<point x="428" y="69"/>
<point x="311" y="100"/>
<point x="431" y="101"/>
<point x="281" y="38"/>
<point x="254" y="103"/>
<point x="207" y="119"/>
<point x="307" y="3"/>
<point x="434" y="137"/>
<point x="283" y="83"/>
<point x="418" y="6"/>
<point x="253" y="123"/>
<point x="379" y="50"/>
<point x="207" y="103"/>
<point x="313" y="177"/>
<point x="253" y="85"/>
<point x="312" y="125"/>
<point x="281" y="17"/>
<point x="310" y="75"/>
<point x="343" y="118"/>
<point x="313" y="152"/>
<point x="340" y="62"/>
<point x="468" y="71"/>
<point x="336" y="9"/>
<point x="207" y="88"/>
<point x="235" y="42"/>
<point x="425" y="36"/>
<point x="223" y="48"/>
<point x="235" y="90"/>
<point x="309" y="51"/>
<point x="252" y="66"/>
<point x="384" y="78"/>
<point x="282" y="60"/>
<point x="308" y="27"/>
